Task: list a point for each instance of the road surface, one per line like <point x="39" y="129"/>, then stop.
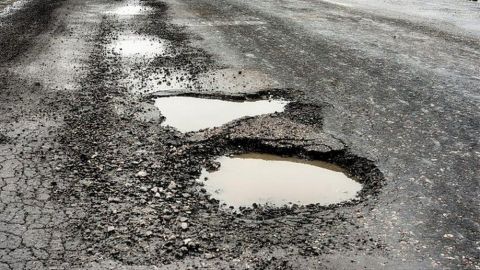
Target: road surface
<point x="90" y="179"/>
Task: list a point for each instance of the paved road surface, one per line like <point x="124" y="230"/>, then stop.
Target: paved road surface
<point x="397" y="87"/>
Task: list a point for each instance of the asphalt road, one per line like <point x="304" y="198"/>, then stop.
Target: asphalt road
<point x="391" y="96"/>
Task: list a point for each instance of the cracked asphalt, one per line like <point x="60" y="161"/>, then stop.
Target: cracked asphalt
<point x="90" y="179"/>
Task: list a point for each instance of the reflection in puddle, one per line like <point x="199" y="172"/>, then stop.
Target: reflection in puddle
<point x="138" y="45"/>
<point x="130" y="10"/>
<point x="268" y="179"/>
<point x="192" y="114"/>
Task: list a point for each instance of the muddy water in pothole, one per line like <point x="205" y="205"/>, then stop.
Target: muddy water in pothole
<point x="268" y="179"/>
<point x="192" y="114"/>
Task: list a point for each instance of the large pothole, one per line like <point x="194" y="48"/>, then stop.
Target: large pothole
<point x="188" y="114"/>
<point x="248" y="179"/>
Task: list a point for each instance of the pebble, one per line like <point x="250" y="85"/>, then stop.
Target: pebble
<point x="448" y="235"/>
<point x="142" y="173"/>
<point x="209" y="256"/>
<point x="172" y="185"/>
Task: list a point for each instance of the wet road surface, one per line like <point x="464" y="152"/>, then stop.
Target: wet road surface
<point x="91" y="178"/>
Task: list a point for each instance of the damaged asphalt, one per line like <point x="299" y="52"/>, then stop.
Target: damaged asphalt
<point x="91" y="180"/>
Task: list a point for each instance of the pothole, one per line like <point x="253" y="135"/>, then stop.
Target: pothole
<point x="188" y="114"/>
<point x="265" y="179"/>
<point x="133" y="45"/>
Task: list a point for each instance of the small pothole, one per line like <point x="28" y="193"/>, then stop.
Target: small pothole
<point x="188" y="114"/>
<point x="265" y="179"/>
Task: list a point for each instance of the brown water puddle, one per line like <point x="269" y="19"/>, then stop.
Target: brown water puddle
<point x="193" y="114"/>
<point x="268" y="179"/>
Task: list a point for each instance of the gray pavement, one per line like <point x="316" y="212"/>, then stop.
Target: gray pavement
<point x="397" y="92"/>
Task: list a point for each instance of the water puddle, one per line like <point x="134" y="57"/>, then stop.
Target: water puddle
<point x="268" y="179"/>
<point x="132" y="8"/>
<point x="7" y="6"/>
<point x="192" y="114"/>
<point x="134" y="45"/>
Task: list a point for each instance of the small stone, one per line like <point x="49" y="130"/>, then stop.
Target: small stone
<point x="209" y="256"/>
<point x="166" y="217"/>
<point x="186" y="241"/>
<point x="86" y="183"/>
<point x="214" y="166"/>
<point x="144" y="189"/>
<point x="183" y="219"/>
<point x="114" y="199"/>
<point x="110" y="228"/>
<point x="142" y="173"/>
<point x="184" y="225"/>
<point x="172" y="185"/>
<point x="448" y="235"/>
